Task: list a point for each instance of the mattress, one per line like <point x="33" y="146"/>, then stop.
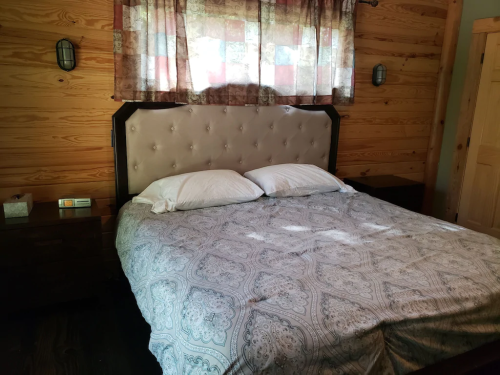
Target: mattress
<point x="337" y="283"/>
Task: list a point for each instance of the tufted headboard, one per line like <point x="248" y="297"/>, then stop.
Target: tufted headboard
<point x="155" y="140"/>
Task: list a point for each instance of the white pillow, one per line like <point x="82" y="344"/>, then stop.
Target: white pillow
<point x="190" y="191"/>
<point x="295" y="180"/>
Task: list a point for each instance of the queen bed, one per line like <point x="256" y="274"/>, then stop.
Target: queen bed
<point x="332" y="283"/>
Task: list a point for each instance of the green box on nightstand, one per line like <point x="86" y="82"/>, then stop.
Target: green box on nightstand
<point x="18" y="206"/>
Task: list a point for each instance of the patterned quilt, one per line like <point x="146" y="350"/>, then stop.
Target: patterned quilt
<point x="337" y="283"/>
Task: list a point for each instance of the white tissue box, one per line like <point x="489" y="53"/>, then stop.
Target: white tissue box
<point x="18" y="207"/>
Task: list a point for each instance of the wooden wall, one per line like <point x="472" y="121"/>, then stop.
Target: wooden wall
<point x="55" y="126"/>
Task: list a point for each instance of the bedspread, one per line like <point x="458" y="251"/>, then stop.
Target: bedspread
<point x="331" y="284"/>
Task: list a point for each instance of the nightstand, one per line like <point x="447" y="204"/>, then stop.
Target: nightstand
<point x="393" y="189"/>
<point x="53" y="255"/>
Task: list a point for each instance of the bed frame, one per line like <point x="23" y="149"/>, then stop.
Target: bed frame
<point x="124" y="192"/>
<point x="482" y="360"/>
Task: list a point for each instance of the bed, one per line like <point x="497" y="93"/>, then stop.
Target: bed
<point x="334" y="283"/>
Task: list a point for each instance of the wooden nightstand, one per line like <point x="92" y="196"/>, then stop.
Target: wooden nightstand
<point x="397" y="190"/>
<point x="53" y="255"/>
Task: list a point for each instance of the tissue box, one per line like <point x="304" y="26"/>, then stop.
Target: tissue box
<point x="18" y="206"/>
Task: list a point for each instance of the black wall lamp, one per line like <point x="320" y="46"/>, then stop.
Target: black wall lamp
<point x="65" y="55"/>
<point x="379" y="75"/>
<point x="373" y="3"/>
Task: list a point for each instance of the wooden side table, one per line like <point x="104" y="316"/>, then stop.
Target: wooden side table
<point x="53" y="255"/>
<point x="393" y="189"/>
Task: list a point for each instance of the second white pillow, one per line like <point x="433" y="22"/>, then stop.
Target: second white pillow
<point x="294" y="180"/>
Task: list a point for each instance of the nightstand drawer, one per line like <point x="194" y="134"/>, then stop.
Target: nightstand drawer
<point x="55" y="255"/>
<point x="45" y="244"/>
<point x="58" y="281"/>
<point x="393" y="189"/>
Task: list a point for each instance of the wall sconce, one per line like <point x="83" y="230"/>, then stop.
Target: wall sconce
<point x="373" y="3"/>
<point x="65" y="55"/>
<point x="379" y="75"/>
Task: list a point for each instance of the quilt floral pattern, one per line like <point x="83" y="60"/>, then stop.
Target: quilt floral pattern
<point x="337" y="283"/>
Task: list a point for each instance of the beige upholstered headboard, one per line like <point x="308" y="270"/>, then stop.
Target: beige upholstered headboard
<point x="171" y="141"/>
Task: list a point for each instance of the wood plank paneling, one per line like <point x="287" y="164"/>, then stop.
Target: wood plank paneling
<point x="384" y="48"/>
<point x="92" y="39"/>
<point x="373" y="157"/>
<point x="55" y="125"/>
<point x="381" y="169"/>
<point x="53" y="78"/>
<point x="59" y="137"/>
<point x="32" y="176"/>
<point x="24" y="97"/>
<point x="388" y="105"/>
<point x="54" y="156"/>
<point x="47" y="193"/>
<point x="370" y="31"/>
<point x="354" y="117"/>
<point x="398" y="78"/>
<point x="36" y="54"/>
<point x="62" y="117"/>
<point x="422" y="15"/>
<point x="384" y="131"/>
<point x="367" y="90"/>
<point x="377" y="144"/>
<point x="93" y="14"/>
<point x="398" y="64"/>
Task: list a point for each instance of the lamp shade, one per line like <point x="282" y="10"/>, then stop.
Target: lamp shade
<point x="65" y="55"/>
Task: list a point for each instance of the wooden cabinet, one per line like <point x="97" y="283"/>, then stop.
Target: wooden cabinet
<point x="53" y="255"/>
<point x="400" y="191"/>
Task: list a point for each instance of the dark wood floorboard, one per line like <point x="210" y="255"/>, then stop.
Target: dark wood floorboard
<point x="78" y="338"/>
<point x="109" y="336"/>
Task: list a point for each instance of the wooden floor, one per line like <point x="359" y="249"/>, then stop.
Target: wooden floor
<point x="91" y="337"/>
<point x="84" y="337"/>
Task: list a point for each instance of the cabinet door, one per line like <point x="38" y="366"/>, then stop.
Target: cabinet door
<point x="479" y="204"/>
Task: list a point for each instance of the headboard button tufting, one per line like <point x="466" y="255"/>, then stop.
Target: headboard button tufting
<point x="236" y="137"/>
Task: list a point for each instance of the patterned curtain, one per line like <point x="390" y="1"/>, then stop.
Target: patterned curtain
<point x="235" y="52"/>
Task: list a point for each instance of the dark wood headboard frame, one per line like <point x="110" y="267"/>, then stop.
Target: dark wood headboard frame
<point x="119" y="141"/>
